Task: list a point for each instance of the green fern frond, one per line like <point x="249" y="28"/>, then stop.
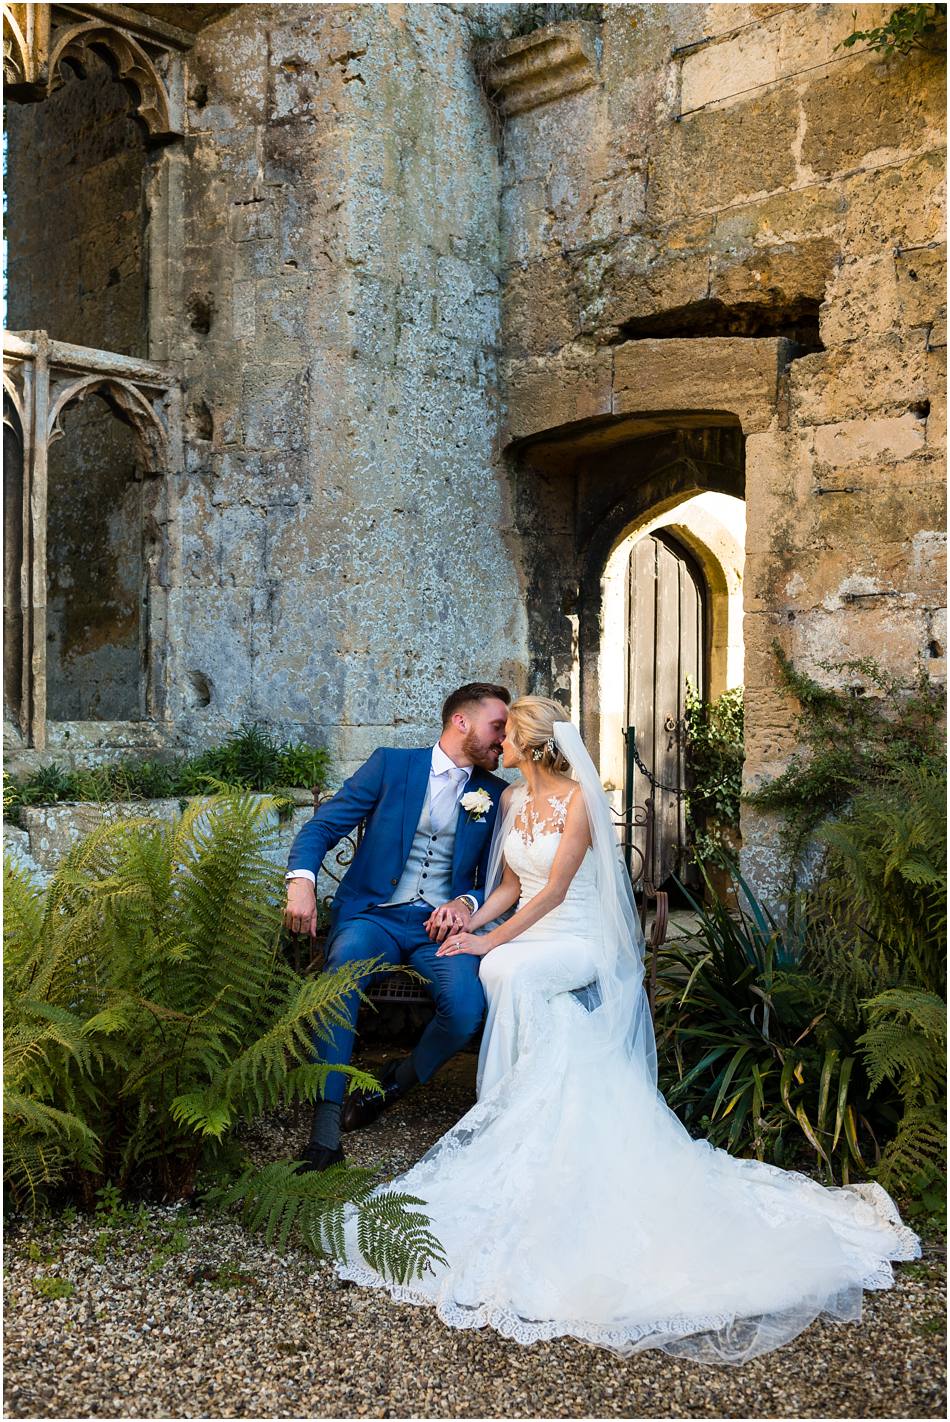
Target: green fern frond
<point x="906" y="1043"/>
<point x="394" y="1239"/>
<point x="310" y="1209"/>
<point x="919" y="1147"/>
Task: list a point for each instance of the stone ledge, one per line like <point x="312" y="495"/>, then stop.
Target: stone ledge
<point x="49" y="832"/>
<point x="548" y="64"/>
<point x="667" y="382"/>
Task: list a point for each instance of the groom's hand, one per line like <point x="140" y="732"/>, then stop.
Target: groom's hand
<point x="300" y="915"/>
<point x="450" y="918"/>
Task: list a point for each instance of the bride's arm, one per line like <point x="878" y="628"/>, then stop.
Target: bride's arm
<point x="575" y="842"/>
<point x="500" y="899"/>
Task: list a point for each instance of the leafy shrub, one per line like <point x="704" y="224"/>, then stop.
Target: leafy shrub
<point x="883" y="952"/>
<point x="148" y="1010"/>
<point x="251" y="760"/>
<point x="748" y="1058"/>
<point x="714" y="756"/>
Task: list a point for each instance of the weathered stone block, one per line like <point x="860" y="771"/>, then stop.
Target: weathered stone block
<point x="252" y="220"/>
<point x="643" y="281"/>
<point x="784" y="217"/>
<point x="922" y="285"/>
<point x="886" y="375"/>
<point x="856" y="441"/>
<point x="716" y="157"/>
<point x="713" y="72"/>
<point x="726" y="376"/>
<point x="54" y="830"/>
<point x="868" y="107"/>
<point x="543" y="394"/>
<point x="527" y="223"/>
<point x="775" y="277"/>
<point x="896" y="205"/>
<point x="275" y="407"/>
<point x="539" y="307"/>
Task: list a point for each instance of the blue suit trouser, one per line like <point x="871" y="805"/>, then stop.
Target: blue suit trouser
<point x="397" y="935"/>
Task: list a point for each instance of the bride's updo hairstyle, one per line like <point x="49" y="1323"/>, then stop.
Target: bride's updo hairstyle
<point x="531" y="726"/>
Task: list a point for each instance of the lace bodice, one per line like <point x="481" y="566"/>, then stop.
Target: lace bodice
<point x="533" y="841"/>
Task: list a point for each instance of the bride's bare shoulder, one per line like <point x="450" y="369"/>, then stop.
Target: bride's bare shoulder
<point x="565" y="787"/>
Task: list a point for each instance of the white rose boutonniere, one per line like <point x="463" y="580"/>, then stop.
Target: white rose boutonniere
<point x="476" y="804"/>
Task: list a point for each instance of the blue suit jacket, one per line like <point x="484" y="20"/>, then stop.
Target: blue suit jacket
<point x="388" y="793"/>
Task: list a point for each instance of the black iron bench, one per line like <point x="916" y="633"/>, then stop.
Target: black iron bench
<point x="398" y="989"/>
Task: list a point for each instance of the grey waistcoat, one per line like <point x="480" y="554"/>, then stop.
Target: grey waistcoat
<point x="428" y="871"/>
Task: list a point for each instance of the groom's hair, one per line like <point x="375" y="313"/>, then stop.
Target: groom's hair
<point x="470" y="692"/>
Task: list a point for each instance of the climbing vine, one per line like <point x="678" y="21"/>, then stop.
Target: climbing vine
<point x="849" y="741"/>
<point x="908" y="27"/>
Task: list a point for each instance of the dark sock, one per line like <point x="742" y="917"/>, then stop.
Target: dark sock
<point x="325" y="1130"/>
<point x="405" y="1074"/>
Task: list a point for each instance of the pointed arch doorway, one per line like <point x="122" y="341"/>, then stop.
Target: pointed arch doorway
<point x="667" y="641"/>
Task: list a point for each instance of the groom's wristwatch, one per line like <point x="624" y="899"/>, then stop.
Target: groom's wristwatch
<point x="469" y="899"/>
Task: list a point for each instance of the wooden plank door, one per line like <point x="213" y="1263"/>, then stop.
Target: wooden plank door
<point x="666" y="639"/>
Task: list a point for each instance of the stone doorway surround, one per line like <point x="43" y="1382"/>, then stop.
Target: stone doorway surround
<point x="603" y="438"/>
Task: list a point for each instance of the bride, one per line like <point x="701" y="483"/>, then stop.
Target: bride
<point x="570" y="1200"/>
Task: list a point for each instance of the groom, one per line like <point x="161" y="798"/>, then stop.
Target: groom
<point x="418" y="873"/>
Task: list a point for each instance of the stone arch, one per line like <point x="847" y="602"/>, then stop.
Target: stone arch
<point x="684" y="464"/>
<point x="126" y="401"/>
<point x="17" y="57"/>
<point x="104" y="541"/>
<point x="133" y="65"/>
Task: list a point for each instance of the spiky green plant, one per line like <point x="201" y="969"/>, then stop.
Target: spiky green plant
<point x="148" y="1010"/>
<point x="748" y="1056"/>
<point x="831" y="1028"/>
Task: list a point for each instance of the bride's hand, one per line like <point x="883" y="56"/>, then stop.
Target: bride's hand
<point x="464" y="943"/>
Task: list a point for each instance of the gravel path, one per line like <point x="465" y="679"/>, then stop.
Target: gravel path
<point x="177" y="1315"/>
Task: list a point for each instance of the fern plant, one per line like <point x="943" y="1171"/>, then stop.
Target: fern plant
<point x="885" y="892"/>
<point x="148" y="1010"/>
<point x="310" y="1209"/>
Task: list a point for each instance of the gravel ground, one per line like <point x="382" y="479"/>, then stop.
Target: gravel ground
<point x="179" y="1315"/>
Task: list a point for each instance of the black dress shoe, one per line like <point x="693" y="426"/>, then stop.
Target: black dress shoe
<point x="361" y="1107"/>
<point x="318" y="1157"/>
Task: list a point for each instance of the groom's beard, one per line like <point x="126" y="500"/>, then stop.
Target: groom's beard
<point x="484" y="754"/>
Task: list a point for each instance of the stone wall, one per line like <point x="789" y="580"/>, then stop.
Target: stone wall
<point x="345" y="559"/>
<point x="728" y="179"/>
<point x="452" y="321"/>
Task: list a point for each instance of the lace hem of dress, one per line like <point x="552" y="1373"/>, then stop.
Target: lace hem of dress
<point x="679" y="1329"/>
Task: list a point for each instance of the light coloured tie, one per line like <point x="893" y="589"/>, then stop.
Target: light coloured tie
<point x="442" y="806"/>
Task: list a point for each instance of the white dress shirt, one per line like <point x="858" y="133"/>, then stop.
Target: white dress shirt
<point x="444" y="776"/>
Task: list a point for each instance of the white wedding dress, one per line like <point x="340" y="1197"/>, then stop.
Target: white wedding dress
<point x="571" y="1201"/>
